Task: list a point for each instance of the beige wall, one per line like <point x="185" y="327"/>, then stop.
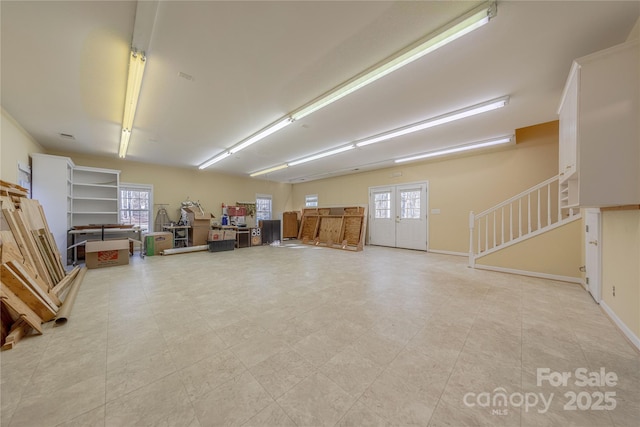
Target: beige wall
<point x="557" y="252"/>
<point x="456" y="185"/>
<point x="173" y="185"/>
<point x="621" y="265"/>
<point x="15" y="146"/>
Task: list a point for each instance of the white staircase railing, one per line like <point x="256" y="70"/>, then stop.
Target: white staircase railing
<point x="523" y="216"/>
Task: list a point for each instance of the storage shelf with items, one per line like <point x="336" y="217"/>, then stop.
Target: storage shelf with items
<point x="95" y="196"/>
<point x="599" y="152"/>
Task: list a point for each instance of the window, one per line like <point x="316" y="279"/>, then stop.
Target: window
<point x="410" y="204"/>
<point x="263" y="207"/>
<point x="311" y="200"/>
<point x="135" y="205"/>
<point x="383" y="205"/>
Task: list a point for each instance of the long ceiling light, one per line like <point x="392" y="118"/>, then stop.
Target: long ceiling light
<point x="439" y="120"/>
<point x="261" y="135"/>
<point x="458" y="149"/>
<point x="454" y="30"/>
<point x="214" y="159"/>
<point x="137" y="62"/>
<point x="466" y="23"/>
<point x="321" y="155"/>
<point x="272" y="128"/>
<point x="273" y="169"/>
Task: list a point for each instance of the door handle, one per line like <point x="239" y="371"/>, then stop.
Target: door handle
<point x="593" y="242"/>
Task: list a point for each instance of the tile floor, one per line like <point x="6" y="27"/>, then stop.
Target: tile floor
<point x="304" y="336"/>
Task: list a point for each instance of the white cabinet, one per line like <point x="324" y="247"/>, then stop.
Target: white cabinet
<point x="51" y="186"/>
<point x="599" y="157"/>
<point x="95" y="196"/>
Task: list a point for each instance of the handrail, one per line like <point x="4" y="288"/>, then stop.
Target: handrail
<point x="518" y="196"/>
<point x="496" y="228"/>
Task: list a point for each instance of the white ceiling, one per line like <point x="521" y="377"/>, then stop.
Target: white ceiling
<point x="64" y="70"/>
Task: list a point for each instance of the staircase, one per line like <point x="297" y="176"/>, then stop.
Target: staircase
<point x="528" y="214"/>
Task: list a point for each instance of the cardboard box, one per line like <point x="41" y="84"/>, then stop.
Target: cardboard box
<point x="229" y="234"/>
<point x="106" y="253"/>
<point x="155" y="243"/>
<point x="200" y="225"/>
<point x="216" y="235"/>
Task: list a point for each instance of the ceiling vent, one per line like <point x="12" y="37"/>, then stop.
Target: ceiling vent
<point x="186" y="76"/>
<point x="67" y="136"/>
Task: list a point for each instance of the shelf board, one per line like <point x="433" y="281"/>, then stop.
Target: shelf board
<point x="95" y="213"/>
<point x="88" y="184"/>
<point x="108" y="199"/>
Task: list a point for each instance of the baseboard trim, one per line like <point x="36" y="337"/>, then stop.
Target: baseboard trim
<point x="530" y="273"/>
<point x="437" y="251"/>
<point x="620" y="324"/>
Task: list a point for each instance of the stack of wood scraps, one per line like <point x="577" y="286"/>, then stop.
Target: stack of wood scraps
<point x="34" y="283"/>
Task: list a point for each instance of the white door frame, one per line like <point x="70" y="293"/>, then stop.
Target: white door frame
<point x="371" y="190"/>
<point x="593" y="253"/>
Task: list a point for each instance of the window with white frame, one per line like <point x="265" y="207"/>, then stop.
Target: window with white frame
<point x="136" y="202"/>
<point x="263" y="207"/>
<point x="311" y="200"/>
<point x="383" y="205"/>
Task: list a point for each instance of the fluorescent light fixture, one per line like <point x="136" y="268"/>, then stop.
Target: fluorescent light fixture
<point x="261" y="135"/>
<point x="463" y="25"/>
<point x="124" y="142"/>
<point x="321" y="155"/>
<point x="215" y="159"/>
<point x="482" y="144"/>
<point x="273" y="169"/>
<point x="137" y="62"/>
<point x="439" y="120"/>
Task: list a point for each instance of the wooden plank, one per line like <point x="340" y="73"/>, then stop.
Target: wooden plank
<point x="620" y="208"/>
<point x="31" y="210"/>
<point x="7" y="203"/>
<point x="329" y="229"/>
<point x="19" y="238"/>
<point x="19" y="330"/>
<point x="30" y="243"/>
<point x="45" y="259"/>
<point x="9" y="250"/>
<point x="60" y="287"/>
<point x="53" y="249"/>
<point x="28" y="275"/>
<point x="26" y="293"/>
<point x="20" y="308"/>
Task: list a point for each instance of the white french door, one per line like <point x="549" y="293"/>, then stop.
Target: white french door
<point x="398" y="216"/>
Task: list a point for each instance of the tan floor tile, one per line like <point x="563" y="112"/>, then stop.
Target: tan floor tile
<point x="402" y="403"/>
<point x="93" y="418"/>
<point x="460" y="415"/>
<point x="128" y="376"/>
<point x="378" y="348"/>
<point x="195" y="348"/>
<point x="233" y="403"/>
<point x="39" y="407"/>
<point x="280" y="372"/>
<point x="360" y="416"/>
<point x="254" y="351"/>
<point x="318" y="348"/>
<point x="207" y="374"/>
<point x="351" y="371"/>
<point x="316" y="401"/>
<point x="161" y="402"/>
<point x="273" y="416"/>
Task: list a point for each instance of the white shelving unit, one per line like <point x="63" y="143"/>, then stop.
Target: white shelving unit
<point x="95" y="196"/>
<point x="51" y="184"/>
<point x="599" y="154"/>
